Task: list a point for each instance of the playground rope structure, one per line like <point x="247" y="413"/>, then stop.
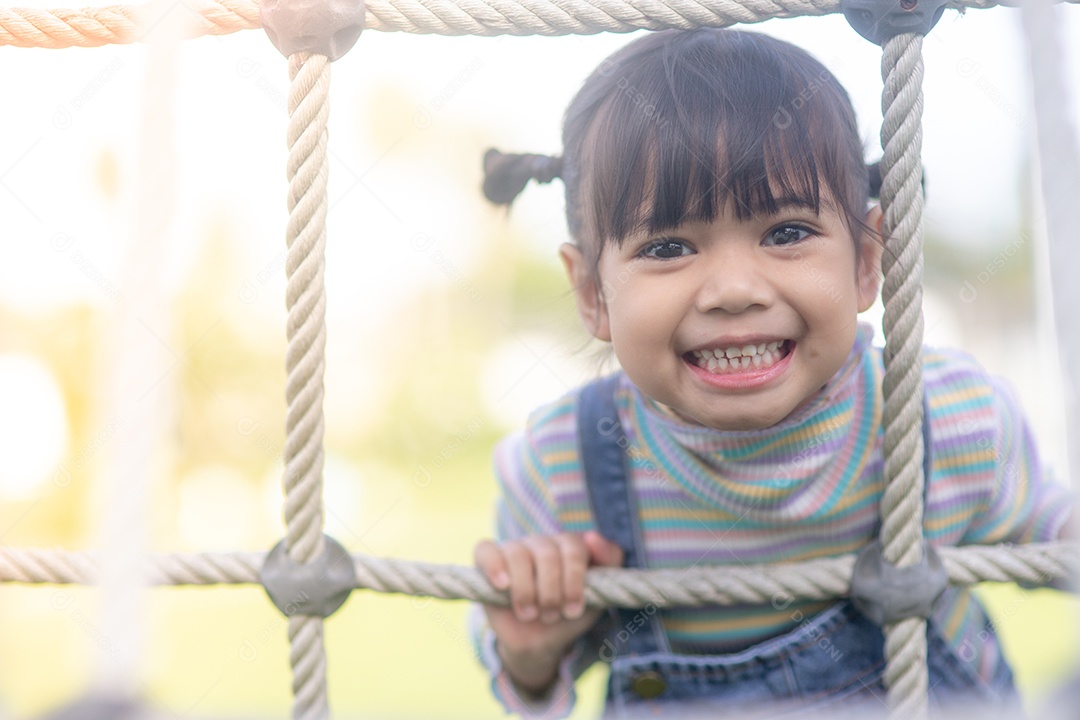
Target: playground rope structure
<point x="91" y="27"/>
<point x="902" y="387"/>
<point x="307" y="171"/>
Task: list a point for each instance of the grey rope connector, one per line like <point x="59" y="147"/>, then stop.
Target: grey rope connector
<point x="886" y="593"/>
<point x="882" y="20"/>
<point x="321" y="27"/>
<point x="316" y="588"/>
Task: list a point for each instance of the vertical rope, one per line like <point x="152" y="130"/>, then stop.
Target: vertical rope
<point x="902" y="263"/>
<point x="305" y="298"/>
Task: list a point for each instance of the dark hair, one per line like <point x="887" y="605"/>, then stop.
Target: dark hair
<point x="679" y="124"/>
<point x="506" y="174"/>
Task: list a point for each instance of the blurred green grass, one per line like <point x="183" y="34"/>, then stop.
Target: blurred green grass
<point x="222" y="652"/>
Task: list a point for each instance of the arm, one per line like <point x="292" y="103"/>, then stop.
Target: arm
<point x="1023" y="504"/>
<point x="528" y="507"/>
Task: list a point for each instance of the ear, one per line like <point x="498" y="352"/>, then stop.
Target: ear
<point x="868" y="272"/>
<point x="590" y="303"/>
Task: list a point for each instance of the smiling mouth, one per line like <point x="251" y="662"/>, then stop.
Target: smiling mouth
<point x="739" y="359"/>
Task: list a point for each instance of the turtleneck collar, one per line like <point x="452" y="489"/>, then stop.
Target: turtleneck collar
<point x="794" y="470"/>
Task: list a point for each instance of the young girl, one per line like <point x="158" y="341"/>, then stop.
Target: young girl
<point x="717" y="196"/>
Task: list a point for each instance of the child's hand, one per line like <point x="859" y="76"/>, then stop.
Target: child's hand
<point x="545" y="575"/>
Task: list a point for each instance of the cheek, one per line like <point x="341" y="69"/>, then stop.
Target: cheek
<point x="831" y="297"/>
<point x="641" y="330"/>
<point x="628" y="327"/>
<point x="640" y="314"/>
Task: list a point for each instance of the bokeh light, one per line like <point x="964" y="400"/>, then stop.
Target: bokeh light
<point x="33" y="427"/>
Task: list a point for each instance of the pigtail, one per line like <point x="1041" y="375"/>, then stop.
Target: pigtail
<point x="873" y="173"/>
<point x="507" y="174"/>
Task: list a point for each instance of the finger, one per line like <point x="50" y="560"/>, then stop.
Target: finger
<point x="575" y="560"/>
<point x="489" y="560"/>
<point x="548" y="568"/>
<point x="602" y="552"/>
<point x="522" y="581"/>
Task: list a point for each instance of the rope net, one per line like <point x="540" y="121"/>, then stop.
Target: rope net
<point x="1034" y="564"/>
<point x="119" y="24"/>
<point x="307" y="171"/>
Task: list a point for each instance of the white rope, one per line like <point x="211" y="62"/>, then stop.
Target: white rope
<point x="1035" y="564"/>
<point x="902" y="500"/>
<point x="33" y="565"/>
<point x="308" y="661"/>
<point x="305" y="298"/>
<point x="95" y="26"/>
<point x="549" y="17"/>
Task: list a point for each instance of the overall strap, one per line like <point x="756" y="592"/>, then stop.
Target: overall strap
<point x="604" y="446"/>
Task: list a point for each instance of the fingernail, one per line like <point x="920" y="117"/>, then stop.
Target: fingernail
<point x="527" y="613"/>
<point x="573" y="610"/>
<point x="501" y="580"/>
<point x="550" y="617"/>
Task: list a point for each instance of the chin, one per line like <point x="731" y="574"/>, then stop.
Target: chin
<point x="742" y="424"/>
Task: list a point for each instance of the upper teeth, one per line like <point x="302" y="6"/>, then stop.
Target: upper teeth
<point x="748" y="351"/>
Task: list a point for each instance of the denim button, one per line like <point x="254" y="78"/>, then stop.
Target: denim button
<point x="648" y="684"/>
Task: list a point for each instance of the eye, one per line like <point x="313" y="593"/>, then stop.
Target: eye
<point x="786" y="235"/>
<point x="665" y="249"/>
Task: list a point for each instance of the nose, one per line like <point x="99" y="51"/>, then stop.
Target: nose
<point x="733" y="281"/>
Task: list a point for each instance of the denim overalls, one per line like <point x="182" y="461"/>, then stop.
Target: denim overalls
<point x="831" y="663"/>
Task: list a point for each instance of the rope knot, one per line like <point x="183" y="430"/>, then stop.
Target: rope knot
<point x="319" y="27"/>
<point x="886" y="593"/>
<point x="882" y="20"/>
<point x="317" y="588"/>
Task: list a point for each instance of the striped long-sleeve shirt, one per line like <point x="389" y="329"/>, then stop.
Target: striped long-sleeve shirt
<point x="808" y="487"/>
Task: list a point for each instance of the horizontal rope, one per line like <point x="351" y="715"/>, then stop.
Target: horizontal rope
<point x="32" y="565"/>
<point x="1036" y="564"/>
<point x="119" y="24"/>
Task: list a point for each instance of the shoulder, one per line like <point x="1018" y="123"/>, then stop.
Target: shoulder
<point x="551" y="430"/>
<point x="549" y="434"/>
<point x="543" y="460"/>
<point x="971" y="412"/>
<point x="967" y="401"/>
<point x="959" y="388"/>
<point x="961" y="395"/>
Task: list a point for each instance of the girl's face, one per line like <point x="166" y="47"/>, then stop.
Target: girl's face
<point x="732" y="324"/>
